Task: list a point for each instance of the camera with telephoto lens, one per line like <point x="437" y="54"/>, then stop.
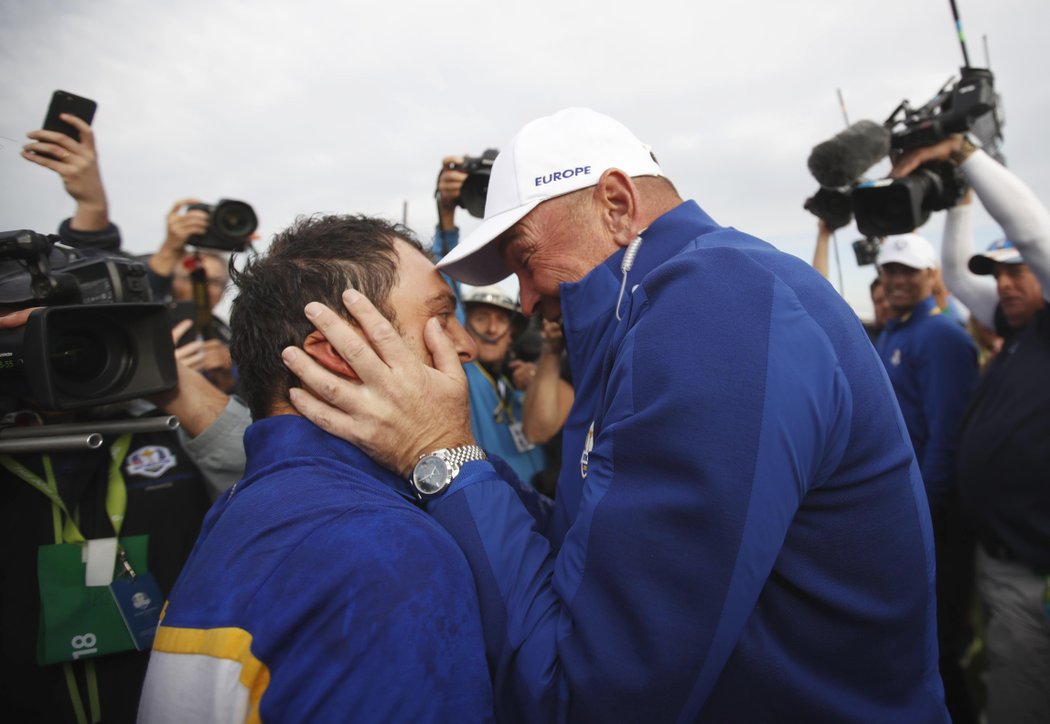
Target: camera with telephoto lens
<point x="476" y="186"/>
<point x="898" y="206"/>
<point x="98" y="338"/>
<point x="230" y="225"/>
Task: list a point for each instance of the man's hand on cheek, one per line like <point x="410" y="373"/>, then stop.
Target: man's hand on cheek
<point x="401" y="408"/>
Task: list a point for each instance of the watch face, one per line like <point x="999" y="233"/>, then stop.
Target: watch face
<point x="430" y="475"/>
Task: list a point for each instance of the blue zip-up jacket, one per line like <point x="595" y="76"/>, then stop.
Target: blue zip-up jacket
<point x="318" y="591"/>
<point x="932" y="364"/>
<point x="751" y="539"/>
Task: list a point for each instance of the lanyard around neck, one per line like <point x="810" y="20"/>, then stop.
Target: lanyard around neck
<point x="116" y="490"/>
<point x="504" y="392"/>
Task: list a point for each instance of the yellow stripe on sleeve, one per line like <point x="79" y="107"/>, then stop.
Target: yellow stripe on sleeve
<point x="233" y="644"/>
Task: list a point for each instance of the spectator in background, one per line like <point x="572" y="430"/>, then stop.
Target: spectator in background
<point x="449" y="184"/>
<point x="932" y="364"/>
<point x="881" y="311"/>
<point x="1004" y="449"/>
<point x="496" y="399"/>
<point x="947" y="302"/>
<point x="548" y="400"/>
<point x="204" y="347"/>
<point x="880" y="307"/>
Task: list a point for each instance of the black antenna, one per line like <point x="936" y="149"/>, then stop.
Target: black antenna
<point x="987" y="58"/>
<point x="962" y="35"/>
<point x="842" y="105"/>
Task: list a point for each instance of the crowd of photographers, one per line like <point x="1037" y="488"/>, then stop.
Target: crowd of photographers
<point x="975" y="406"/>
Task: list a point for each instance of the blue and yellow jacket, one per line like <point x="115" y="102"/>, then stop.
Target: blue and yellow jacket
<point x="318" y="591"/>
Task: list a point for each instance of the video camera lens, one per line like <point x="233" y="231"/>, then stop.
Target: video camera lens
<point x="89" y="356"/>
<point x="902" y="205"/>
<point x="71" y="357"/>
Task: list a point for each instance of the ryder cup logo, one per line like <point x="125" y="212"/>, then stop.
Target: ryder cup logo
<point x="151" y="461"/>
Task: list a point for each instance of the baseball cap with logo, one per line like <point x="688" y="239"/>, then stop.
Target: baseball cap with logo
<point x="999" y="252"/>
<point x="549" y="157"/>
<point x="907" y="249"/>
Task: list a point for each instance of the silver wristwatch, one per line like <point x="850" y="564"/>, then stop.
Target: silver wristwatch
<point x="435" y="471"/>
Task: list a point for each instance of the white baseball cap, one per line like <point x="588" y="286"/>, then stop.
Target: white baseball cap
<point x="549" y="157"/>
<point x="907" y="249"/>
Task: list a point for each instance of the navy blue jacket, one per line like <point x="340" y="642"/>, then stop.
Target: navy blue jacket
<point x="932" y="364"/>
<point x="747" y="538"/>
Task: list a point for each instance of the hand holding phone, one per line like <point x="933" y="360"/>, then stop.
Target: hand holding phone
<point x="67" y="147"/>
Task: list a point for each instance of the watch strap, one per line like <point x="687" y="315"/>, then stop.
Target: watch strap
<point x="964" y="151"/>
<point x="457" y="457"/>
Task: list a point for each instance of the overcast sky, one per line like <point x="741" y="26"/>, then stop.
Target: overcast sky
<point x="349" y="107"/>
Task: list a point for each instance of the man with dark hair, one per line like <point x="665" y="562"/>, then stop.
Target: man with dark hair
<point x="740" y="531"/>
<point x="318" y="590"/>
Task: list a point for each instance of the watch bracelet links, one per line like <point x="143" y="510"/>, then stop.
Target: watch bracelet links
<point x="459" y="456"/>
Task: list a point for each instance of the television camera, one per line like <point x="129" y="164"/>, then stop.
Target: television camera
<point x="96" y="338"/>
<point x="896" y="206"/>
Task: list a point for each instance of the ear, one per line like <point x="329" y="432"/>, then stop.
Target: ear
<point x="617" y="197"/>
<point x="322" y="350"/>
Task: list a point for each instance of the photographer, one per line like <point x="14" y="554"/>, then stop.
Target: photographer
<point x="171" y="275"/>
<point x="146" y="489"/>
<point x="1003" y="452"/>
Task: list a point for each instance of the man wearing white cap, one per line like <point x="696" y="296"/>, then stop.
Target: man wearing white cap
<point x="932" y="364"/>
<point x="930" y="359"/>
<point x="735" y="536"/>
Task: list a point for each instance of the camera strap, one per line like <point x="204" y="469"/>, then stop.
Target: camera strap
<point x="64" y="560"/>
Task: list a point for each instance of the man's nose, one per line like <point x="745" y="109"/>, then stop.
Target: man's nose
<point x="529" y="297"/>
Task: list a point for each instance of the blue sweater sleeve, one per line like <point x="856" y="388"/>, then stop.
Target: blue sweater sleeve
<point x="705" y="443"/>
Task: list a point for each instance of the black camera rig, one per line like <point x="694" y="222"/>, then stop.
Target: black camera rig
<point x="896" y="206"/>
<point x="97" y="339"/>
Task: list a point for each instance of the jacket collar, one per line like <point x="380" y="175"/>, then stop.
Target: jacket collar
<point x="283" y="438"/>
<point x="588" y="306"/>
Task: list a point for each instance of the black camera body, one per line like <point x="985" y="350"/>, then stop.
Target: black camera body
<point x="475" y="187"/>
<point x="230" y="225"/>
<point x="898" y="206"/>
<point x="104" y="342"/>
<point x="951" y="110"/>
